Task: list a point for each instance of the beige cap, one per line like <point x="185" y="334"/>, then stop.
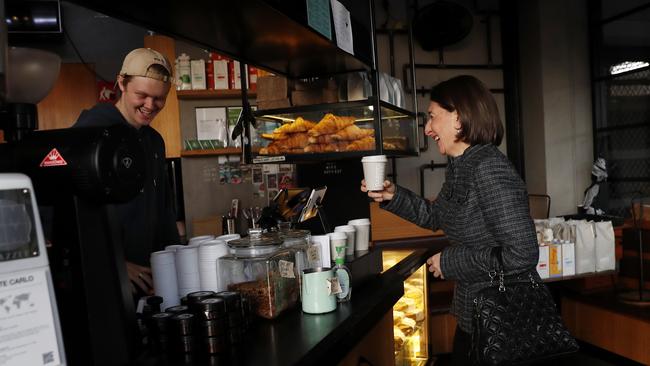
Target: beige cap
<point x="139" y="61"/>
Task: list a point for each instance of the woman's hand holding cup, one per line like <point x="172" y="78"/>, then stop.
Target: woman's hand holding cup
<point x="379" y="196"/>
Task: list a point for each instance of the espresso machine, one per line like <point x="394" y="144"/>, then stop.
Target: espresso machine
<point x="78" y="175"/>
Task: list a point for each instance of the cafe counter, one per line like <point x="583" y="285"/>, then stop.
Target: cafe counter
<point x="360" y="330"/>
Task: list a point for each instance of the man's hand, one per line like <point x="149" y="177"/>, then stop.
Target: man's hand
<point x="140" y="276"/>
<point x="434" y="266"/>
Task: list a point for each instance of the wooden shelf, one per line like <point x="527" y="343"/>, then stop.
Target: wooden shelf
<point x="212" y="94"/>
<point x="213" y="152"/>
<point x="582" y="275"/>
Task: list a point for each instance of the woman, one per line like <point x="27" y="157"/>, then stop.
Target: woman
<point x="482" y="204"/>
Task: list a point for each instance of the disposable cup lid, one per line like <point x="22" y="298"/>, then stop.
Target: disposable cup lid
<point x="337" y="235"/>
<point x="359" y="222"/>
<point x="374" y="159"/>
<point x="345" y="228"/>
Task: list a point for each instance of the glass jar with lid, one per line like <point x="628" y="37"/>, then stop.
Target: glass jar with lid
<point x="307" y="254"/>
<point x="263" y="271"/>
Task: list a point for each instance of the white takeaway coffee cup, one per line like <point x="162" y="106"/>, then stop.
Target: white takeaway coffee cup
<point x="362" y="234"/>
<point x="374" y="171"/>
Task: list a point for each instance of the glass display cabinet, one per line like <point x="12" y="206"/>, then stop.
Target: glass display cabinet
<point x="335" y="130"/>
<point x="410" y="316"/>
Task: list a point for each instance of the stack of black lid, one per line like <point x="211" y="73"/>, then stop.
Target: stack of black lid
<point x="235" y="315"/>
<point x="212" y="323"/>
<point x="206" y="322"/>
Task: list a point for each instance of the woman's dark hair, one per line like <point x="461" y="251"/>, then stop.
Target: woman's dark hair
<point x="476" y="108"/>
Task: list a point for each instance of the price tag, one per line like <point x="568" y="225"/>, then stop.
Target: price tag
<point x="333" y="286"/>
<point x="313" y="254"/>
<point x="286" y="269"/>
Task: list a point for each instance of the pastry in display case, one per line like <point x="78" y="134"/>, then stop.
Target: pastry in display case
<point x="342" y="128"/>
<point x="410" y="321"/>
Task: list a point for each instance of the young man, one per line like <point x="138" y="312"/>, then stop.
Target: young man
<point x="148" y="221"/>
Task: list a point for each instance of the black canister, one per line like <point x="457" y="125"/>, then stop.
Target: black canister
<point x="235" y="335"/>
<point x="213" y="328"/>
<point x="214" y="344"/>
<point x="185" y="344"/>
<point x="232" y="299"/>
<point x="247" y="312"/>
<point x="183" y="324"/>
<point x="235" y="320"/>
<point x="211" y="308"/>
<point x="184" y="300"/>
<point x="178" y="309"/>
<point x="159" y="323"/>
<point x="154" y="303"/>
<point x="195" y="297"/>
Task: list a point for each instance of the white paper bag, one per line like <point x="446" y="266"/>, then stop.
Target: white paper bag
<point x="605" y="246"/>
<point x="585" y="247"/>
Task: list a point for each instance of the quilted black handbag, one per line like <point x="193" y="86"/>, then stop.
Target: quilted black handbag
<point x="516" y="321"/>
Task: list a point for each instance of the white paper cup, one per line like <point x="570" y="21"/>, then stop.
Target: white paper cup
<point x="374" y="171"/>
<point x="338" y="242"/>
<point x="362" y="235"/>
<point x="350" y="231"/>
<point x="199" y="239"/>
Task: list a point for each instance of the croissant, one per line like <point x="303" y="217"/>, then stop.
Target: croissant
<point x="296" y="140"/>
<point x="322" y="139"/>
<point x="272" y="149"/>
<point x="274" y="136"/>
<point x="331" y="147"/>
<point x="366" y="143"/>
<point x="352" y="133"/>
<point x="330" y="124"/>
<point x="299" y="125"/>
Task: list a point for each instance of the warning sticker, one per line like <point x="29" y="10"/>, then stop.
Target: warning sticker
<point x="53" y="158"/>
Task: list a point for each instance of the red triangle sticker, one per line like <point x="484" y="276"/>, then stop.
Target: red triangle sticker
<point x="53" y="158"/>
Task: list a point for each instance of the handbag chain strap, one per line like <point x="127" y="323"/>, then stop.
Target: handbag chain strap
<point x="497" y="258"/>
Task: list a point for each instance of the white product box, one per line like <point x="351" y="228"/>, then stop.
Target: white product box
<point x="220" y="74"/>
<point x="542" y="264"/>
<point x="568" y="259"/>
<point x="198" y="74"/>
<point x="555" y="260"/>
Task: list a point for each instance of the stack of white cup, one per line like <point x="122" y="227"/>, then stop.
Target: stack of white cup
<point x="337" y="239"/>
<point x="174" y="247"/>
<point x="195" y="241"/>
<point x="228" y="237"/>
<point x="187" y="270"/>
<point x="362" y="234"/>
<point x="163" y="272"/>
<point x="209" y="253"/>
<point x="350" y="232"/>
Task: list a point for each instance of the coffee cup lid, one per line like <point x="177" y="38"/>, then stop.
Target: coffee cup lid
<point x="337" y="235"/>
<point x="374" y="159"/>
<point x="345" y="228"/>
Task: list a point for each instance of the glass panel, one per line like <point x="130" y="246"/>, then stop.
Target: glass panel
<point x="625" y="40"/>
<point x="342" y="128"/>
<point x="612" y="8"/>
<point x="18" y="238"/>
<point x="410" y="319"/>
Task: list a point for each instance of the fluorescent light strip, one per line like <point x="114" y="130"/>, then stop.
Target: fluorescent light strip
<point x="627" y="66"/>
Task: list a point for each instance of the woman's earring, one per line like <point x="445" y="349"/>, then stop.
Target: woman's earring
<point x="459" y="131"/>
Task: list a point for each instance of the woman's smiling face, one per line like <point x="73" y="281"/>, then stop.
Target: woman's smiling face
<point x="442" y="127"/>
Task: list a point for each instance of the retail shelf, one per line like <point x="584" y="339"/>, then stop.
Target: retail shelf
<point x="212" y="152"/>
<point x="212" y="94"/>
<point x="271" y="34"/>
